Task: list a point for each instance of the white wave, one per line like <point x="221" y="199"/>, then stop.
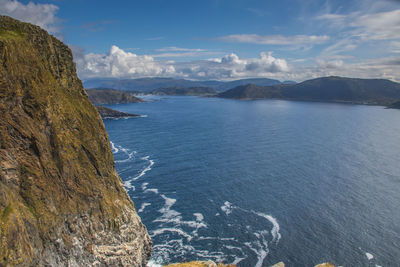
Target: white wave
<point x="144" y="186"/>
<point x="199" y="217"/>
<point x="275" y="229"/>
<point x="130" y="156"/>
<point x="169" y="202"/>
<point x="260" y="249"/>
<point x="217" y="238"/>
<point x="237" y="260"/>
<point x="227" y="207"/>
<point x="143" y="116"/>
<point x="114" y="149"/>
<point x="148" y="168"/>
<point x="369" y="256"/>
<point x="154" y="190"/>
<point x="168" y="215"/>
<point x="172" y="230"/>
<point x="151" y="263"/>
<point x="128" y="185"/>
<point x="144" y="205"/>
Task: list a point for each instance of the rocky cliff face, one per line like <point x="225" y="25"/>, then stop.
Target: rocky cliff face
<point x="61" y="200"/>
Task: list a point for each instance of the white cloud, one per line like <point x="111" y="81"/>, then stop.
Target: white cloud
<point x="332" y="64"/>
<point x="176" y="52"/>
<point x="121" y="64"/>
<point x="274" y="39"/>
<point x="179" y="49"/>
<point x="43" y="15"/>
<point x="379" y="26"/>
<point x="118" y="63"/>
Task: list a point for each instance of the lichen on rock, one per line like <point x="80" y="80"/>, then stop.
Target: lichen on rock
<point x="62" y="202"/>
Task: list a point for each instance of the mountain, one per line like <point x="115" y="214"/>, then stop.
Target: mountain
<point x="142" y="84"/>
<point x="251" y="91"/>
<point x="150" y="84"/>
<point x="61" y="199"/>
<point x="329" y="89"/>
<point x="395" y="105"/>
<point x="256" y="81"/>
<point x="110" y="96"/>
<point x="184" y="91"/>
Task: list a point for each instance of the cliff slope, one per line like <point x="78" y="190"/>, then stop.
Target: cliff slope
<point x="61" y="200"/>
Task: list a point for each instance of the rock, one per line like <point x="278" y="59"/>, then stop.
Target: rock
<point x="110" y="96"/>
<point x="62" y="202"/>
<point x="279" y="264"/>
<point x="107" y="113"/>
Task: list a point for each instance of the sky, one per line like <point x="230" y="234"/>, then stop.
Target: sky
<point x="223" y="39"/>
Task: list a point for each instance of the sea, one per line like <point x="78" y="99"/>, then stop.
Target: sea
<point x="253" y="183"/>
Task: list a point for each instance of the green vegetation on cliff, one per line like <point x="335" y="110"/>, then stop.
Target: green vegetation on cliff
<point x="61" y="200"/>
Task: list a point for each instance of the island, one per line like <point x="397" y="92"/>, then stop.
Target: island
<point x="101" y="96"/>
<point x="108" y="113"/>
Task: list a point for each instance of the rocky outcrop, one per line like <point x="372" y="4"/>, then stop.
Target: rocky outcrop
<point x="61" y="200"/>
<point x="108" y="113"/>
<point x="110" y="96"/>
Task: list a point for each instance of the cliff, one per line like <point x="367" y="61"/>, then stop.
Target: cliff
<point x="61" y="200"/>
<point x="111" y="96"/>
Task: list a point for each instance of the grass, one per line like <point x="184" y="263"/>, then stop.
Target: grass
<point x="6" y="212"/>
<point x="15" y="35"/>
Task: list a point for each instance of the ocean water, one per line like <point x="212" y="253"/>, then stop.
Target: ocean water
<point x="258" y="182"/>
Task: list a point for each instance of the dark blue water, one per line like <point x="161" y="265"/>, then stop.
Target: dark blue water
<point x="258" y="182"/>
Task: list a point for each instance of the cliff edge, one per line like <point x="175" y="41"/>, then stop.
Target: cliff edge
<point x="61" y="201"/>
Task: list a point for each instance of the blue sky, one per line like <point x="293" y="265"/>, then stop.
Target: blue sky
<point x="223" y="39"/>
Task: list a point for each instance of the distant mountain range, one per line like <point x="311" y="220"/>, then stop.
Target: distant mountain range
<point x="150" y="84"/>
<point x="184" y="91"/>
<point x="327" y="89"/>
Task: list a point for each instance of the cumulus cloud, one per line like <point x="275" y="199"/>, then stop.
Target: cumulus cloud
<point x="118" y="63"/>
<point x="121" y="64"/>
<point x="43" y="15"/>
<point x="274" y="39"/>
